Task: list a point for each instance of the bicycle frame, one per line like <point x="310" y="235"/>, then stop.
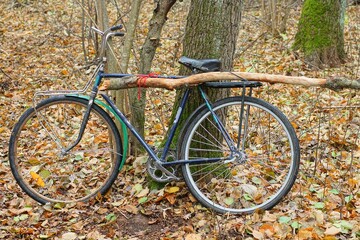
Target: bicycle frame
<point x="161" y="161"/>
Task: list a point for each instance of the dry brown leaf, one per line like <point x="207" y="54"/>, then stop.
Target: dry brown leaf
<point x="131" y="209"/>
<point x="332" y="231"/>
<point x="193" y="236"/>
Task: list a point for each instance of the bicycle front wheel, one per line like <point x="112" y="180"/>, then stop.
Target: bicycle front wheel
<point x="40" y="167"/>
<point x="269" y="160"/>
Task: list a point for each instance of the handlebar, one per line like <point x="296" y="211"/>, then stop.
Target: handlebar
<point x="117" y="27"/>
<point x="106" y="35"/>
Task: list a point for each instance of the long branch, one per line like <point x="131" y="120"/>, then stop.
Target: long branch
<point x="336" y="83"/>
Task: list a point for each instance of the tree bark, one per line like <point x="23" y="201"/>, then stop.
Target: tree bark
<point x="320" y="33"/>
<point x="147" y="53"/>
<point x="123" y="97"/>
<point x="130" y="34"/>
<point x="334" y="83"/>
<point x="211" y="32"/>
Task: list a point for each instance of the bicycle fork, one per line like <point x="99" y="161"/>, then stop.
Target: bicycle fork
<point x="86" y="116"/>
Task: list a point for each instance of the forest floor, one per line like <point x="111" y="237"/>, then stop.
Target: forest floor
<point x="40" y="49"/>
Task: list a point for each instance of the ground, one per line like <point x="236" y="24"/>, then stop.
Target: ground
<point x="41" y="49"/>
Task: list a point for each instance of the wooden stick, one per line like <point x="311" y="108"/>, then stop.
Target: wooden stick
<point x="193" y="80"/>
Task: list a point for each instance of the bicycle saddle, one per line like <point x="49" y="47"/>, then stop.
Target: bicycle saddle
<point x="204" y="65"/>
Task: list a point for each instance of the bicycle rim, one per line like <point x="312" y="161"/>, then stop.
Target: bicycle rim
<point x="259" y="180"/>
<point x="46" y="174"/>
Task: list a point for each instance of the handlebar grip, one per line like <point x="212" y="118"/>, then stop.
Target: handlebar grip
<point x="117" y="27"/>
<point x="119" y="34"/>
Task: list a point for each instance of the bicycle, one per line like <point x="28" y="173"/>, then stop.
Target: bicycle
<point x="237" y="154"/>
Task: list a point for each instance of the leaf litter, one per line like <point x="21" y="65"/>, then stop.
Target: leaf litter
<point x="39" y="49"/>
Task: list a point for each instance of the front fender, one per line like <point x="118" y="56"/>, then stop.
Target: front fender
<point x="125" y="136"/>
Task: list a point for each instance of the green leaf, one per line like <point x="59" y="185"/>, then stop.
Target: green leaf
<point x="110" y="217"/>
<point x="319" y="205"/>
<point x="21" y="217"/>
<point x="78" y="157"/>
<point x="229" y="201"/>
<point x="247" y="197"/>
<point x="142" y="200"/>
<point x="137" y="187"/>
<point x="334" y="191"/>
<point x="284" y="219"/>
<point x="44" y="173"/>
<point x="284" y="36"/>
<point x="59" y="205"/>
<point x="256" y="180"/>
<point x="334" y="154"/>
<point x="348" y="198"/>
<point x="343" y="224"/>
<point x="295" y="225"/>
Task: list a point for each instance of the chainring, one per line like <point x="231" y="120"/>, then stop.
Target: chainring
<point x="156" y="173"/>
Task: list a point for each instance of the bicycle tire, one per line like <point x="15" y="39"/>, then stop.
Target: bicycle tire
<point x="47" y="175"/>
<point x="242" y="186"/>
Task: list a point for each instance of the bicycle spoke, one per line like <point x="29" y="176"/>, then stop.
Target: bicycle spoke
<point x="253" y="178"/>
<point x="47" y="173"/>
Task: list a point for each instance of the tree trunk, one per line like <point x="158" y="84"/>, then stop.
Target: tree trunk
<point x="123" y="96"/>
<point x="320" y="33"/>
<point x="275" y="14"/>
<point x="147" y="54"/>
<point x="211" y="32"/>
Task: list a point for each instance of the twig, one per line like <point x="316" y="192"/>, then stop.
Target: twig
<point x="6" y="74"/>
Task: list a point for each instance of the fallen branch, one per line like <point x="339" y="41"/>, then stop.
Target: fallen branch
<point x="334" y="83"/>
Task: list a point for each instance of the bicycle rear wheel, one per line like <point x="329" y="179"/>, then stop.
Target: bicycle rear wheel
<point x="258" y="180"/>
<point x="36" y="159"/>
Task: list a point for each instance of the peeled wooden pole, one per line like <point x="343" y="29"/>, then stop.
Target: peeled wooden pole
<point x="334" y="83"/>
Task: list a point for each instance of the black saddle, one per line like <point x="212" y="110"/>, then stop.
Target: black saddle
<point x="204" y="65"/>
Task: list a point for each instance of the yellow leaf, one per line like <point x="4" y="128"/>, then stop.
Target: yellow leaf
<point x="158" y="102"/>
<point x="37" y="178"/>
<point x="158" y="126"/>
<point x="172" y="190"/>
<point x="64" y="72"/>
<point x="34" y="161"/>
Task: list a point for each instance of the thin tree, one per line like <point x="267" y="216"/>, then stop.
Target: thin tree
<point x="147" y="53"/>
<point x="121" y="96"/>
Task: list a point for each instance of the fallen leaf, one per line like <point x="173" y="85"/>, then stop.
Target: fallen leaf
<point x="131" y="209"/>
<point x="258" y="235"/>
<point x="332" y="230"/>
<point x="143" y="193"/>
<point x="171" y="198"/>
<point x="267" y="228"/>
<point x="37" y="178"/>
<point x="172" y="189"/>
<point x="193" y="236"/>
<point x="69" y="236"/>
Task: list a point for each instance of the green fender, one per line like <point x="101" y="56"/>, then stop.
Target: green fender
<point x="123" y="126"/>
